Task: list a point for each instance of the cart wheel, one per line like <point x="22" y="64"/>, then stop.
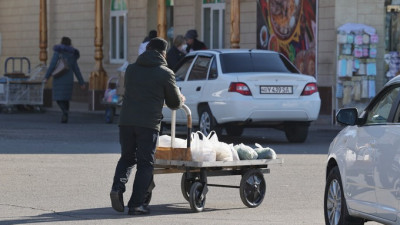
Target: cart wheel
<point x="186" y="185"/>
<point x="252" y="188"/>
<point x="147" y="198"/>
<point x="196" y="199"/>
<point x="109" y="115"/>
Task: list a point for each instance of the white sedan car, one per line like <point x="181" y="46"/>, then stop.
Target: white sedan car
<point x="234" y="89"/>
<point x="363" y="167"/>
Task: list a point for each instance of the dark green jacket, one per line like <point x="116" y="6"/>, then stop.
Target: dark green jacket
<point x="148" y="83"/>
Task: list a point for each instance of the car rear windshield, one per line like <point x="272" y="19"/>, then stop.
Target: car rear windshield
<point x="255" y="62"/>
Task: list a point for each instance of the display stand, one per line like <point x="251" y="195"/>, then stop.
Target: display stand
<point x="356" y="65"/>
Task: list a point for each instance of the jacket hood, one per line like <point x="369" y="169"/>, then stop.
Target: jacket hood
<point x="151" y="58"/>
<point x="66" y="48"/>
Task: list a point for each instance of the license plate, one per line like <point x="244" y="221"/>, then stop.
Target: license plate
<point x="276" y="89"/>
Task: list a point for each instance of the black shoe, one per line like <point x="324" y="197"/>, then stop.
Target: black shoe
<point x="117" y="201"/>
<point x="141" y="210"/>
<point x="147" y="199"/>
<point x="64" y="118"/>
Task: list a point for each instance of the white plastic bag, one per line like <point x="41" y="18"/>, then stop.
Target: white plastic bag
<point x="165" y="141"/>
<point x="265" y="153"/>
<point x="245" y="152"/>
<point x="222" y="150"/>
<point x="201" y="148"/>
<point x="235" y="155"/>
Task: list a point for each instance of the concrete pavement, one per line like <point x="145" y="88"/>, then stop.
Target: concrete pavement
<point x="53" y="173"/>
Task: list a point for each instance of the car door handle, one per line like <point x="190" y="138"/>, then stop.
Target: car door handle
<point x="198" y="88"/>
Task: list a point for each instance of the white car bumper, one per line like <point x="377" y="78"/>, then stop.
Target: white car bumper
<point x="267" y="110"/>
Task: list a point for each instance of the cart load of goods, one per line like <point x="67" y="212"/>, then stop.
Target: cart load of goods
<point x="209" y="148"/>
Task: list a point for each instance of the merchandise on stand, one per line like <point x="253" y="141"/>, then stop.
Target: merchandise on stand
<point x="356" y="65"/>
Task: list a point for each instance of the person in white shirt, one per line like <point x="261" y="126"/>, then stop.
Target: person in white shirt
<point x="142" y="47"/>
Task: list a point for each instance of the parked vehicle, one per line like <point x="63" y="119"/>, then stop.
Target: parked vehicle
<point x="235" y="89"/>
<point x="363" y="167"/>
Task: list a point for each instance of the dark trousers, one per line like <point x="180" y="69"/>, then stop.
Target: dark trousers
<point x="138" y="146"/>
<point x="64" y="106"/>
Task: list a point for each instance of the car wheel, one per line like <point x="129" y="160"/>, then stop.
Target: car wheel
<point x="296" y="133"/>
<point x="207" y="122"/>
<point x="335" y="207"/>
<point x="234" y="130"/>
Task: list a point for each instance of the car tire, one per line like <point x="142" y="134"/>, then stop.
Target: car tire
<point x="234" y="130"/>
<point x="207" y="122"/>
<point x="335" y="207"/>
<point x="296" y="133"/>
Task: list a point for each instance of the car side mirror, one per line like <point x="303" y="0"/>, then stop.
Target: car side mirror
<point x="347" y="116"/>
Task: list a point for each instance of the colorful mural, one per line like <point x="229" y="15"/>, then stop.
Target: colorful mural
<point x="289" y="27"/>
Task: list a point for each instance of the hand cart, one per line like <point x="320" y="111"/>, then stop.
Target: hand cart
<point x="194" y="185"/>
<point x="112" y="101"/>
<point x="17" y="89"/>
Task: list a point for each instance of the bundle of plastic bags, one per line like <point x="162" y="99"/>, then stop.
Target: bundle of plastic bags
<point x="248" y="153"/>
<point x="264" y="153"/>
<point x="223" y="150"/>
<point x="165" y="141"/>
<point x="235" y="155"/>
<point x="245" y="152"/>
<point x="210" y="149"/>
<point x="201" y="148"/>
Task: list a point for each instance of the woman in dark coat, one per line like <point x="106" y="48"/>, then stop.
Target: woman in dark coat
<point x="62" y="85"/>
<point x="176" y="52"/>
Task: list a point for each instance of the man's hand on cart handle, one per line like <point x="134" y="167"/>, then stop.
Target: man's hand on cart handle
<point x="183" y="98"/>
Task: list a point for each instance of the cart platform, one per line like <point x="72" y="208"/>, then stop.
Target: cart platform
<point x="194" y="185"/>
<point x="162" y="163"/>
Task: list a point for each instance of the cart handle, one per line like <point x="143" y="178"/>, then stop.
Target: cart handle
<point x="189" y="125"/>
<point x="21" y="60"/>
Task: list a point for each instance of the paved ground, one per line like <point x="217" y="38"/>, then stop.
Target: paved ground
<point x="54" y="173"/>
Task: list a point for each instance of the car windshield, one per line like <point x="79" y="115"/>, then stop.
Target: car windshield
<point x="255" y="62"/>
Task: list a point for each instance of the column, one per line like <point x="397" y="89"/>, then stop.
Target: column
<point x="162" y="19"/>
<point x="98" y="78"/>
<point x="235" y="23"/>
<point x="47" y="92"/>
<point x="43" y="31"/>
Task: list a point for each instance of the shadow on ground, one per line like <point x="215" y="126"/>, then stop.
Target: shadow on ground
<point x="106" y="213"/>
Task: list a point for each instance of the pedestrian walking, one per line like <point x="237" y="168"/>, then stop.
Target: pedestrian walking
<point x="63" y="84"/>
<point x="192" y="43"/>
<point x="142" y="46"/>
<point x="149" y="84"/>
<point x="176" y="52"/>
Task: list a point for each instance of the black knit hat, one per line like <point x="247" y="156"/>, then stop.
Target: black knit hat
<point x="191" y="34"/>
<point x="157" y="44"/>
<point x="152" y="34"/>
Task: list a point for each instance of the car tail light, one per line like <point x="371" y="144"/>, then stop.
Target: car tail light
<point x="310" y="89"/>
<point x="241" y="88"/>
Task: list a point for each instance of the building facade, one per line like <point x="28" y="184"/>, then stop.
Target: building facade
<point x="127" y="22"/>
